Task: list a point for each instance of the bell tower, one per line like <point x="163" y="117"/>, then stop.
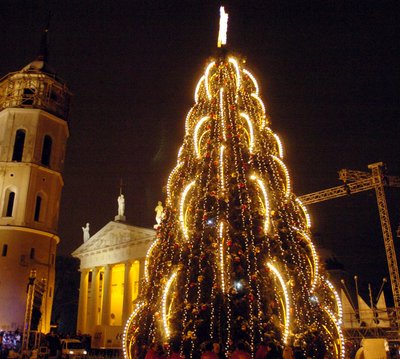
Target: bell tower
<point x="34" y="104"/>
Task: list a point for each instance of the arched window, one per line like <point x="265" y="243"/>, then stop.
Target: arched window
<point x="9" y="200"/>
<point x="5" y="250"/>
<point x="18" y="145"/>
<point x="46" y="150"/>
<point x="37" y="208"/>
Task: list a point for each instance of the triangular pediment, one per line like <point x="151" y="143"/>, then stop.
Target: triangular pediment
<point x="115" y="235"/>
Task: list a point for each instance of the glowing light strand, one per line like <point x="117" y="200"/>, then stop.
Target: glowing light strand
<point x="339" y="331"/>
<point x="182" y="203"/>
<point x="164" y="305"/>
<point x="221" y="254"/>
<point x="222" y="114"/>
<point x="146" y="262"/>
<point x="279" y="144"/>
<point x="255" y="96"/>
<point x="266" y="202"/>
<point x="235" y="64"/>
<point x="314" y="255"/>
<point x="306" y="214"/>
<point x="221" y="167"/>
<point x="338" y="302"/>
<point x="250" y="125"/>
<point x="206" y="80"/>
<point x="195" y="135"/>
<point x="127" y="354"/>
<point x="180" y="153"/>
<point x="187" y="124"/>
<point x="285" y="170"/>
<point x="263" y="121"/>
<point x="287" y="302"/>
<point x="253" y="79"/>
<point x="170" y="177"/>
<point x="196" y="92"/>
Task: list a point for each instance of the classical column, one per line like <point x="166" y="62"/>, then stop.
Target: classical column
<point x="105" y="318"/>
<point x="83" y="301"/>
<point x="141" y="273"/>
<point x="94" y="293"/>
<point x="127" y="304"/>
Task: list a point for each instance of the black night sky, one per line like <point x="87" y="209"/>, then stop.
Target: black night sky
<point x="328" y="73"/>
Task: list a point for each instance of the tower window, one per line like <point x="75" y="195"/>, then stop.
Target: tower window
<point x="10" y="204"/>
<point x="37" y="208"/>
<point x="5" y="249"/>
<point x="19" y="146"/>
<point x="32" y="254"/>
<point x="46" y="150"/>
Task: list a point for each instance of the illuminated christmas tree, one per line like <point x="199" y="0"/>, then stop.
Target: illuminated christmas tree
<point x="233" y="259"/>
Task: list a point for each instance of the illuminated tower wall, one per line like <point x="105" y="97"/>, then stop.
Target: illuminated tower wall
<point x="33" y="135"/>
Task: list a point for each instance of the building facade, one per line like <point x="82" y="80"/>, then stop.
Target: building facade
<point x="112" y="263"/>
<point x="34" y="106"/>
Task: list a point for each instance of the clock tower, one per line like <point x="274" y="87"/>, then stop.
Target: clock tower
<point x="34" y="105"/>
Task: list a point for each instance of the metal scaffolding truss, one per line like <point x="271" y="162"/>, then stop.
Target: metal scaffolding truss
<point x="358" y="181"/>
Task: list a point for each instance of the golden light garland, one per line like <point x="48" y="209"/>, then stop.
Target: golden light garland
<point x="196" y="130"/>
<point x="164" y="305"/>
<point x="266" y="202"/>
<point x="235" y="64"/>
<point x="304" y="210"/>
<point x="146" y="262"/>
<point x="196" y="92"/>
<point x="339" y="318"/>
<point x="221" y="254"/>
<point x="206" y="80"/>
<point x="287" y="302"/>
<point x="338" y="327"/>
<point x="128" y="323"/>
<point x="252" y="78"/>
<point x="187" y="121"/>
<point x="221" y="167"/>
<point x="222" y="115"/>
<point x="280" y="147"/>
<point x="314" y="256"/>
<point x="182" y="203"/>
<point x="251" y="134"/>
<point x="170" y="177"/>
<point x="286" y="172"/>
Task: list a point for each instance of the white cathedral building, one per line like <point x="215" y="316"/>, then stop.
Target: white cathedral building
<point x="34" y="106"/>
<point x="112" y="263"/>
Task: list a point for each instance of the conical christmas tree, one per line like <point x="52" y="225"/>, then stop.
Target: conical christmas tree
<point x="233" y="260"/>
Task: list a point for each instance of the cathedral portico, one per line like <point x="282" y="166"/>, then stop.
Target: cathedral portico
<point x="112" y="266"/>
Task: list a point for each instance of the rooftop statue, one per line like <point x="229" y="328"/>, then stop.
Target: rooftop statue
<point x="86" y="234"/>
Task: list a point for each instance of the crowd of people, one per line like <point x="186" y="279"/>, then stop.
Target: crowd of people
<point x="210" y="350"/>
<point x="10" y="342"/>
